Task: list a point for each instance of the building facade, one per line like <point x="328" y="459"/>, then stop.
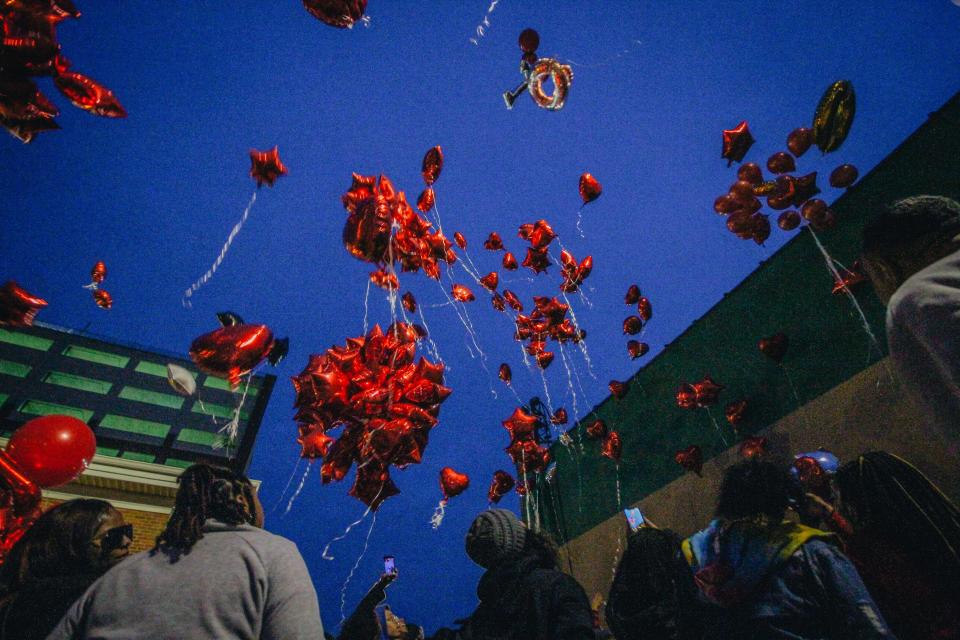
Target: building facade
<point x="834" y="388"/>
<point x="146" y="432"/>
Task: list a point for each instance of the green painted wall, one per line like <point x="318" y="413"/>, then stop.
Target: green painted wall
<point x="790" y="292"/>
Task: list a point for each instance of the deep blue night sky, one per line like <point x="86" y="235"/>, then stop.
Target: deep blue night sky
<point x="156" y="194"/>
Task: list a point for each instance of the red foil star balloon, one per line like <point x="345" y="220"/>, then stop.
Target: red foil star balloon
<point x="17" y="307"/>
<point x="490" y="281"/>
<point x="265" y="166"/>
<point x="559" y="416"/>
<point x="618" y="389"/>
<point x="493" y="242"/>
<point x="462" y="293"/>
<point x="510" y="262"/>
<point x="460" y="240"/>
<point x="734" y="412"/>
<point x="409" y="302"/>
<point x="426" y="200"/>
<point x="521" y="425"/>
<point x="596" y="429"/>
<point x="753" y="447"/>
<point x="736" y="143"/>
<point x="505" y="374"/>
<point x="612" y="447"/>
<point x="89" y="95"/>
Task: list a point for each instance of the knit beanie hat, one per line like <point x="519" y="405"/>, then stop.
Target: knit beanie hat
<point x="494" y="535"/>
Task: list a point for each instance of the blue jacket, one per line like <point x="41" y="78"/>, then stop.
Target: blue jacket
<point x="781" y="582"/>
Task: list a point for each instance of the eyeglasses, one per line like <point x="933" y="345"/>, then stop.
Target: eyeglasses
<point x="114" y="538"/>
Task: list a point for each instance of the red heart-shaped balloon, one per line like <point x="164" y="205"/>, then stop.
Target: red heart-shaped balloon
<point x="690" y="458"/>
<point x="453" y="483"/>
<point x="775" y="346"/>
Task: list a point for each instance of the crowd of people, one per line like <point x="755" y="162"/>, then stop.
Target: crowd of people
<point x="873" y="552"/>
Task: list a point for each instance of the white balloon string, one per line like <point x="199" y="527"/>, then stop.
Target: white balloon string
<point x="481" y="29"/>
<point x="293" y="474"/>
<point x="223" y="254"/>
<point x="296" y="494"/>
<point x="326" y="555"/>
<point x="343" y="590"/>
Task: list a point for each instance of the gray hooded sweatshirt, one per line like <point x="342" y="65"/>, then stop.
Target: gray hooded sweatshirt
<point x="237" y="582"/>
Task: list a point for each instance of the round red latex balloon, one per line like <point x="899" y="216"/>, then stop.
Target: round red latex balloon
<point x="52" y="450"/>
<point x="781" y="162"/>
<point x="612" y="447"/>
<point x="799" y="141"/>
<point x="633" y="295"/>
<point x="843" y="176"/>
<point x="750" y="172"/>
<point x="789" y="220"/>
<point x="529" y="40"/>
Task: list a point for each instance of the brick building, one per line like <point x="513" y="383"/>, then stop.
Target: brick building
<point x="146" y="433"/>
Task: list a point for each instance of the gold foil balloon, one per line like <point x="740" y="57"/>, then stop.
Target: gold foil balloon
<point x="834" y="116"/>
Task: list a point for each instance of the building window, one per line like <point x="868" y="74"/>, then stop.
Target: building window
<point x="151" y="369"/>
<point x="25" y="340"/>
<point x="40" y="408"/>
<point x="195" y="436"/>
<point x="3" y="398"/>
<point x="175" y="462"/>
<point x="14" y="368"/>
<point x="72" y="381"/>
<point x="135" y="425"/>
<point x="107" y="451"/>
<point x="218" y="410"/>
<point x="223" y="385"/>
<point x="151" y="397"/>
<point x="93" y="355"/>
<point x="139" y="457"/>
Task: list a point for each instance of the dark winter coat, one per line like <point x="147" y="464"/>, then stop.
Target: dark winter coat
<point x="37" y="608"/>
<point x="520" y="599"/>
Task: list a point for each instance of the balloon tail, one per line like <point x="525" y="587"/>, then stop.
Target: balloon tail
<point x="346" y="583"/>
<point x="831" y="266"/>
<point x="634" y="45"/>
<point x="432" y="345"/>
<point x="481" y="28"/>
<point x="326" y="555"/>
<point x="223" y="254"/>
<point x="717" y="427"/>
<point x="437" y="518"/>
<point x="366" y="309"/>
<point x="579" y="222"/>
<point x="296" y="494"/>
<point x="293" y="474"/>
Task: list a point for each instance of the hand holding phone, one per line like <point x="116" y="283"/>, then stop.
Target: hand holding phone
<point x="389" y="565"/>
<point x="634" y="518"/>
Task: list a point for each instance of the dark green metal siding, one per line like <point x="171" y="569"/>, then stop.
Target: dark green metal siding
<point x="790" y="292"/>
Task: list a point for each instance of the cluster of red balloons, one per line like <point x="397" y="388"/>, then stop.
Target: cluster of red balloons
<point x="386" y="402"/>
<point x="547" y="321"/>
<point x="98" y="274"/>
<point x="18" y="308"/>
<point x="633" y="324"/>
<point x="524" y="450"/>
<point x="30" y="49"/>
<point x="698" y="395"/>
<point x="573" y="273"/>
<point x="342" y="14"/>
<point x="539" y="234"/>
<point x="45" y="452"/>
<point x="792" y="195"/>
<point x="234" y="349"/>
<point x="383" y="228"/>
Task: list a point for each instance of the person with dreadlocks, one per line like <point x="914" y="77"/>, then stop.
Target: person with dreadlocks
<point x="772" y="578"/>
<point x="911" y="252"/>
<point x="213" y="573"/>
<point x="903" y="535"/>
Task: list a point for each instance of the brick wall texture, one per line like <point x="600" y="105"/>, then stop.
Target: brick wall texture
<point x="147" y="525"/>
